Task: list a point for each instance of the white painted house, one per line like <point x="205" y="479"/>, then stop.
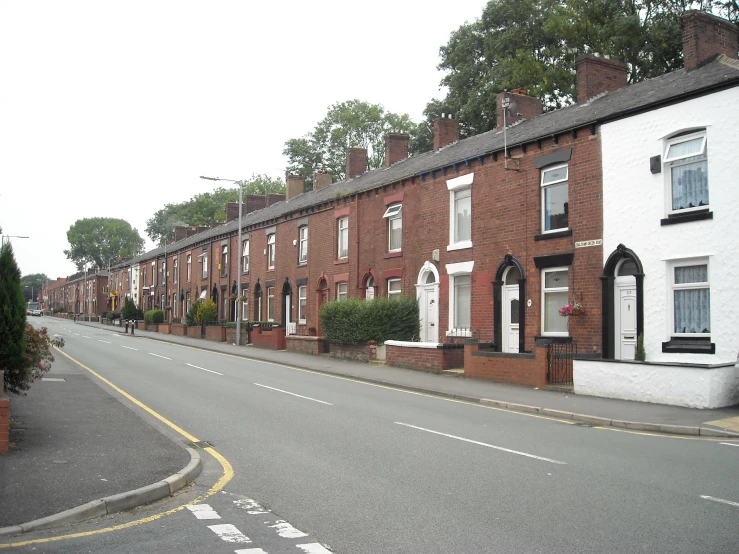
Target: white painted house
<point x="671" y="233"/>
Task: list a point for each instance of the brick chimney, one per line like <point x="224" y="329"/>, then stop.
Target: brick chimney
<point x="295" y="186"/>
<point x="396" y="148"/>
<point x="321" y="180"/>
<point x="446" y="131"/>
<point x="705" y="36"/>
<point x="596" y="75"/>
<point x="520" y="107"/>
<point x="356" y="162"/>
<point x="232" y="210"/>
<point x="182" y="232"/>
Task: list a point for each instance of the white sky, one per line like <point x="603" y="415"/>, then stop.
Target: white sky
<point x="114" y="109"/>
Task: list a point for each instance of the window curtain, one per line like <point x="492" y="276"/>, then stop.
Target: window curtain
<point x="692" y="306"/>
<point x="690" y="185"/>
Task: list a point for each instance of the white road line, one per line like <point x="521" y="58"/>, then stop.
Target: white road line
<point x="293" y="394"/>
<point x="250" y="506"/>
<point x="208" y="370"/>
<point x="129" y="347"/>
<point x="287" y="531"/>
<point x="484" y="444"/>
<point x="158" y="356"/>
<point x="313" y="548"/>
<point x="720" y="500"/>
<point x="86" y="337"/>
<point x="729" y="444"/>
<point x="250" y="551"/>
<point x="203" y="511"/>
<point x="105" y="341"/>
<point x="229" y="533"/>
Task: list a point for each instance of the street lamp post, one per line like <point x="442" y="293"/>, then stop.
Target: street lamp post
<point x="8" y="237"/>
<point x="238" y="256"/>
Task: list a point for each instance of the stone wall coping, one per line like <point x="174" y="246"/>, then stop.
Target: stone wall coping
<point x="489" y="354"/>
<point x="667" y="364"/>
<point x="428" y="345"/>
<point x="301" y="337"/>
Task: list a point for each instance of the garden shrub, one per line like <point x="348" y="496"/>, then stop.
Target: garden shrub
<point x="130" y="311"/>
<point x="57" y="310"/>
<point x="382" y="319"/>
<point x="153" y="316"/>
<point x="202" y="311"/>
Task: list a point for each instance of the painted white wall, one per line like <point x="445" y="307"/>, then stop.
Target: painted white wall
<point x="634" y="204"/>
<point x="694" y="387"/>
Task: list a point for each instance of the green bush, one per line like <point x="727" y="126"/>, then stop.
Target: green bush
<point x="153" y="316"/>
<point x="130" y="311"/>
<point x="355" y="321"/>
<point x="641" y="353"/>
<point x="202" y="311"/>
<point x="57" y="310"/>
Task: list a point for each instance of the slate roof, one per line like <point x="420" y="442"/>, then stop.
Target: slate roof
<point x="722" y="72"/>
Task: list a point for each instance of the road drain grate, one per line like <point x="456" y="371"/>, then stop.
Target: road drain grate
<point x="199" y="444"/>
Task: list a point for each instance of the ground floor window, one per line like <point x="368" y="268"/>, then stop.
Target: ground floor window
<point x="393" y="288"/>
<point x="302" y="301"/>
<point x="244" y="307"/>
<point x="691" y="300"/>
<point x="461" y="301"/>
<point x="341" y="291"/>
<point x="555" y="294"/>
<point x="270" y="303"/>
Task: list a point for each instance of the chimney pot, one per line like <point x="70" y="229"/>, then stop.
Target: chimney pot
<point x="705" y="36"/>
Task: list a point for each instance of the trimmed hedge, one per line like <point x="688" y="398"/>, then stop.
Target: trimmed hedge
<point x="202" y="311"/>
<point x="154" y="316"/>
<point x="355" y="321"/>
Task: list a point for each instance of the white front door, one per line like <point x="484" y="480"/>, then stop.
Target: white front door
<point x="510" y="319"/>
<point x="289" y="326"/>
<point x="625" y="315"/>
<point x="429" y="308"/>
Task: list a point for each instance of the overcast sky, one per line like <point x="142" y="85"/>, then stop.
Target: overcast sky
<point x="114" y="109"/>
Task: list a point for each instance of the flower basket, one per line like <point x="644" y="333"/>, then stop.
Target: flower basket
<point x="572" y="310"/>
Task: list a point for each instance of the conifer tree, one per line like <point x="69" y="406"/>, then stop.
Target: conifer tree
<point x="12" y="315"/>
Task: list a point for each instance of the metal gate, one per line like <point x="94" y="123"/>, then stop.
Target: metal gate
<point x="559" y="358"/>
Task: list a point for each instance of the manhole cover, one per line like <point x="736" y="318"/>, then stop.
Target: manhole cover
<point x="199" y="444"/>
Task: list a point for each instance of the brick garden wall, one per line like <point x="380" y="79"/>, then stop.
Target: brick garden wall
<point x="306" y="345"/>
<point x="434" y="358"/>
<point x="518" y="369"/>
<point x="359" y="352"/>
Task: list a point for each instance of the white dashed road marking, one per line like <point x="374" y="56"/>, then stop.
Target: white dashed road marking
<point x="721" y="501"/>
<point x="250" y="551"/>
<point x="105" y="341"/>
<point x="313" y="548"/>
<point x="229" y="533"/>
<point x="204" y="511"/>
<point x="250" y="506"/>
<point x="285" y="530"/>
<point x="158" y="356"/>
<point x="293" y="394"/>
<point x="484" y="444"/>
<point x="86" y="337"/>
<point x="129" y="347"/>
<point x="208" y="370"/>
<point x="729" y="444"/>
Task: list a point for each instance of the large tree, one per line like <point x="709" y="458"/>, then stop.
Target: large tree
<point x="12" y="313"/>
<point x="99" y="240"/>
<point x="532" y="45"/>
<point x="207" y="207"/>
<point x="33" y="284"/>
<point x="353" y="123"/>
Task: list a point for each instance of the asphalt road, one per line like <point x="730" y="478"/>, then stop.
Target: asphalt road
<point x="369" y="469"/>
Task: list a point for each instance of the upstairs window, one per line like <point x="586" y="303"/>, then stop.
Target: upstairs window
<point x="394" y="216"/>
<point x="245" y="256"/>
<point x="343" y="233"/>
<point x="460" y="212"/>
<point x="554" y="198"/>
<point x="153" y="274"/>
<point x="303" y="246"/>
<point x="204" y="261"/>
<point x="224" y="260"/>
<point x="189" y="267"/>
<point x="174" y="269"/>
<point x="686" y="169"/>
<point x="271" y="251"/>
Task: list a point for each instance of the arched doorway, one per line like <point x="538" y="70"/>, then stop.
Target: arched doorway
<point x="321" y="297"/>
<point x="287" y="309"/>
<point x="427" y="293"/>
<point x="623" y="304"/>
<point x="509" y="307"/>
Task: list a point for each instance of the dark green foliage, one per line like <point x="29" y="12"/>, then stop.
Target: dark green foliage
<point x="34" y="363"/>
<point x="12" y="318"/>
<point x="202" y="311"/>
<point x="57" y="310"/>
<point x="130" y="311"/>
<point x="97" y="240"/>
<point x="154" y="316"/>
<point x="355" y="321"/>
<point x="641" y="353"/>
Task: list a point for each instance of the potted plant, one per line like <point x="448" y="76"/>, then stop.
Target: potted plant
<point x="572" y="309"/>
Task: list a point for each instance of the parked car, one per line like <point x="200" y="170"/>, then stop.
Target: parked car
<point x="34" y="308"/>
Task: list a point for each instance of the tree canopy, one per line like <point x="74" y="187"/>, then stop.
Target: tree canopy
<point x="532" y="45"/>
<point x="12" y="314"/>
<point x="100" y="240"/>
<point x="35" y="280"/>
<point x="348" y="124"/>
<point x="207" y="207"/>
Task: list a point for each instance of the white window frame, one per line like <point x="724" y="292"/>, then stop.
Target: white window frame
<point x="153" y="274"/>
<point x="189" y="268"/>
<point x="544" y="186"/>
<point x="544" y="291"/>
<point x="174" y="304"/>
<point x="244" y="305"/>
<point x="271" y="251"/>
<point x="245" y="256"/>
<point x="394" y="216"/>
<point x="342" y="291"/>
<point x="224" y="260"/>
<point x="684" y="159"/>
<point x="270" y="303"/>
<point x="458" y="184"/>
<point x="394" y="293"/>
<point x="672" y="287"/>
<point x="174" y="270"/>
<point x="302" y="303"/>
<point x="204" y="261"/>
<point x="454" y="270"/>
<point x="343" y="238"/>
<point x="303" y="244"/>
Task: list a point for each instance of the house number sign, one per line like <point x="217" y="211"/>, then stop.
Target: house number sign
<point x="584" y="243"/>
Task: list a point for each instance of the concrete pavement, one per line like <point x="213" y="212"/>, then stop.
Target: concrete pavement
<point x="62" y="467"/>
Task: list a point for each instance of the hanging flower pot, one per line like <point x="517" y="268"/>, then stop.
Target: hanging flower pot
<point x="571" y="309"/>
